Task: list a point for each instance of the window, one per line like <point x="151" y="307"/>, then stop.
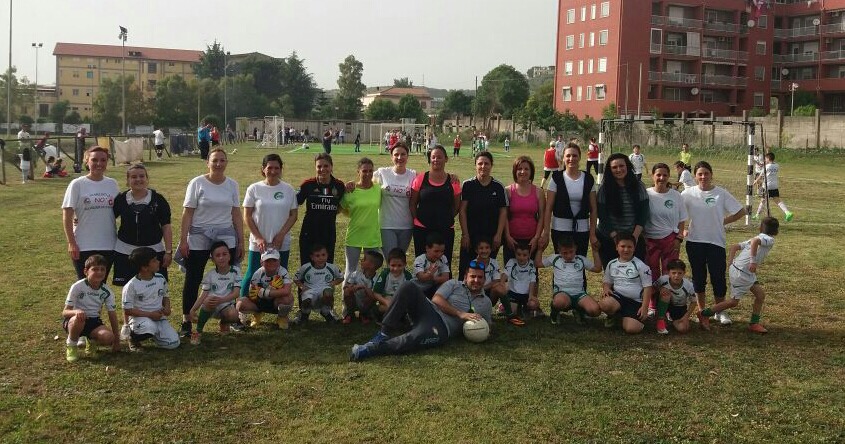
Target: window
<point x="763" y="22"/>
<point x="151" y="84"/>
<point x="583" y="13"/>
<point x="589" y="93"/>
<point x="570" y="42"/>
<point x="602" y="65"/>
<point x="590" y="66"/>
<point x="758" y="100"/>
<point x="580" y="67"/>
<point x="593" y="11"/>
<point x="171" y="64"/>
<point x="761" y="47"/>
<point x="603" y="38"/>
<point x="600" y="92"/>
<point x="581" y="40"/>
<point x="75" y="92"/>
<point x="567" y="93"/>
<point x="592" y="39"/>
<point x="152" y="68"/>
<point x="759" y="73"/>
<point x="605" y="9"/>
<point x="570" y="16"/>
<point x="578" y="92"/>
<point x="567" y="68"/>
<point x="76" y="74"/>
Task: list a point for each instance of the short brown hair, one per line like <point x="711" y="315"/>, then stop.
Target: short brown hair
<point x="518" y="161"/>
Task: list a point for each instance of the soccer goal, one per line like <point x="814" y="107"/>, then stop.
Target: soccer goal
<point x="378" y="130"/>
<point x="274" y="132"/>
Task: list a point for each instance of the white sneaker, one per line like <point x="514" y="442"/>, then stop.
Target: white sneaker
<point x="651" y="313"/>
<point x="723" y="318"/>
<point x="81" y="342"/>
<point x="125" y="332"/>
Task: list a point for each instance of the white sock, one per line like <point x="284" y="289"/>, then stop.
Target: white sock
<point x="760" y="207"/>
<point x="782" y="206"/>
<point x="71" y="341"/>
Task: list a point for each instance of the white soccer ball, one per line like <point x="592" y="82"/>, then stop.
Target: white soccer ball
<point x="476" y="330"/>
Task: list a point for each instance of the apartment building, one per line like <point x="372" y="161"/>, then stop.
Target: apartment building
<point x="698" y="56"/>
<point x="81" y="67"/>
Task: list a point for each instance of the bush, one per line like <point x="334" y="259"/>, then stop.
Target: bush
<point x="805" y="111"/>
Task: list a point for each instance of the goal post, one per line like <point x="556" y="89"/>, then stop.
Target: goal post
<point x="274" y="132"/>
<point x="406" y="126"/>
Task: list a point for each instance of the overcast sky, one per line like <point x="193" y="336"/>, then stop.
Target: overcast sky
<point x="439" y="43"/>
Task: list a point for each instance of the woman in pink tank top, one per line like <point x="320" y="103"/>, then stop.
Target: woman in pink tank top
<point x="527" y="203"/>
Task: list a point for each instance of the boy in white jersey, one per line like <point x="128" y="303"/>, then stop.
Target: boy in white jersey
<point x="627" y="287"/>
<point x="82" y="309"/>
<point x="638" y="160"/>
<point x="772" y="187"/>
<point x="522" y="285"/>
<point x="358" y="289"/>
<point x="743" y="274"/>
<point x="316" y="281"/>
<point x="495" y="280"/>
<point x="431" y="269"/>
<point x="269" y="291"/>
<point x="389" y="280"/>
<point x="568" y="284"/>
<point x="147" y="303"/>
<point x="220" y="288"/>
<point x="676" y="297"/>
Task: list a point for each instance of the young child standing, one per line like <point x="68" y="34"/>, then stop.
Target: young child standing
<point x="269" y="291"/>
<point x="676" y="296"/>
<point x="358" y="289"/>
<point x="431" y="269"/>
<point x="522" y="285"/>
<point x="772" y="187"/>
<point x="389" y="280"/>
<point x="569" y="285"/>
<point x="743" y="275"/>
<point x="82" y="310"/>
<point x="147" y="303"/>
<point x="550" y="162"/>
<point x="316" y="281"/>
<point x="627" y="287"/>
<point x="26" y="164"/>
<point x="507" y="144"/>
<point x="638" y="160"/>
<point x="220" y="288"/>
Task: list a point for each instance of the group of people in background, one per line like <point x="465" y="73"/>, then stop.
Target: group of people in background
<point x="634" y="234"/>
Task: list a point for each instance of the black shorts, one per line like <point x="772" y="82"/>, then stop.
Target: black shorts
<point x="518" y="298"/>
<point x="266" y="306"/>
<point x="774" y="193"/>
<point x="677" y="312"/>
<point x="159" y="147"/>
<point x="628" y="307"/>
<point x="124" y="271"/>
<point x="91" y="324"/>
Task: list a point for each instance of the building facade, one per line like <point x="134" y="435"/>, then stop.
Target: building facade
<point x="81" y="67"/>
<point x="395" y="94"/>
<point x="698" y="56"/>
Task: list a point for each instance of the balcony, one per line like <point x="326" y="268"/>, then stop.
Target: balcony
<point x="723" y="80"/>
<point x="693" y="51"/>
<point x="796" y="32"/>
<point x="677" y="22"/>
<point x="833" y="55"/>
<point x="721" y="26"/>
<point x="835" y="28"/>
<point x="672" y="77"/>
<point x="807" y="57"/>
<point x="724" y="54"/>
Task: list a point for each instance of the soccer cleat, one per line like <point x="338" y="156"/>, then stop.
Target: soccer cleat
<point x="237" y="326"/>
<point x="82" y="342"/>
<point x="256" y="320"/>
<point x="610" y="322"/>
<point x="723" y="318"/>
<point x="514" y="320"/>
<point x="134" y="346"/>
<point x="661" y="327"/>
<point x="185" y="331"/>
<point x="300" y="318"/>
<point x="555" y="316"/>
<point x="330" y="315"/>
<point x="359" y="353"/>
<point x="282" y="322"/>
<point x="703" y="321"/>
<point x="195" y="338"/>
<point x="378" y="338"/>
<point x="757" y="328"/>
<point x="347" y="320"/>
<point x="72" y="353"/>
<point x="125" y="332"/>
<point x="90" y="347"/>
<point x="788" y="217"/>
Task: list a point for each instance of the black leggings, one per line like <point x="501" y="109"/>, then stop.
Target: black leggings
<point x="428" y="328"/>
<point x="704" y="257"/>
<point x="79" y="265"/>
<point x="194" y="271"/>
<point x="582" y="240"/>
<point x="607" y="251"/>
<point x="593" y="164"/>
<point x="421" y="233"/>
<point x="307" y="239"/>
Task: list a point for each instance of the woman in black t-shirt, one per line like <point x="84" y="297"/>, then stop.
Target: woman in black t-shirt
<point x="483" y="212"/>
<point x="321" y="197"/>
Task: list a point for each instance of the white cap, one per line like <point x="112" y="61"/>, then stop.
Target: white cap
<point x="270" y="254"/>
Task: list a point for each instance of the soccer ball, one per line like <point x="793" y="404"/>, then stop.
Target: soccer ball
<point x="305" y="146"/>
<point x="476" y="330"/>
<point x="234" y="151"/>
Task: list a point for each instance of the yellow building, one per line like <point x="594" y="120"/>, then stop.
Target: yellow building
<point x="81" y="67"/>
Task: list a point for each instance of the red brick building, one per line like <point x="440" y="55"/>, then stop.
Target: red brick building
<point x="698" y="56"/>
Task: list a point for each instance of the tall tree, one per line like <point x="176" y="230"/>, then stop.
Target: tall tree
<point x="403" y="82"/>
<point x="244" y="100"/>
<point x="456" y="103"/>
<point x="538" y="110"/>
<point x="410" y="108"/>
<point x="108" y="104"/>
<point x="21" y="89"/>
<point x="503" y="90"/>
<point x="211" y="63"/>
<point x="298" y="84"/>
<point x="382" y="109"/>
<point x="175" y="103"/>
<point x="350" y="88"/>
<point x="58" y="114"/>
<point x="267" y="73"/>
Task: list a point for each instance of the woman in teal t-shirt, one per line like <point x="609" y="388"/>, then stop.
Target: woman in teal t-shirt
<point x="362" y="206"/>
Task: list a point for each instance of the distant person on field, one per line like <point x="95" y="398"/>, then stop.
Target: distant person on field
<point x="26" y="163"/>
<point x="80" y="149"/>
<point x="158" y="141"/>
<point x="593" y="151"/>
<point x="685" y="156"/>
<point x="327" y="142"/>
<point x="81" y="314"/>
<point x="743" y="274"/>
<point x="770" y="183"/>
<point x="456" y="146"/>
<point x="204" y="139"/>
<point x="638" y="161"/>
<point x="358" y="142"/>
<point x="507" y="144"/>
<point x="146" y="301"/>
<point x="684" y="176"/>
<point x="550" y="162"/>
<point x="24" y="138"/>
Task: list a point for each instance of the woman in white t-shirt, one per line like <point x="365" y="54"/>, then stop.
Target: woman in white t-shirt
<point x="211" y="213"/>
<point x="270" y="211"/>
<point x="571" y="207"/>
<point x="87" y="212"/>
<point x="397" y="224"/>
<point x="710" y="208"/>
<point x="665" y="227"/>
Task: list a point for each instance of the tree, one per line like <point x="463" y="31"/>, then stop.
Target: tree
<point x="58" y="114"/>
<point x="382" y="109"/>
<point x="503" y="90"/>
<point x="351" y="89"/>
<point x="108" y="104"/>
<point x="410" y="108"/>
<point x="244" y="100"/>
<point x="299" y="86"/>
<point x="456" y="103"/>
<point x="211" y="63"/>
<point x="175" y="103"/>
<point x="404" y="82"/>
<point x="610" y="111"/>
<point x="22" y="91"/>
<point x="267" y="73"/>
<point x="539" y="112"/>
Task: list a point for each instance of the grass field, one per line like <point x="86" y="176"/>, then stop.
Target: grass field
<point x="540" y="383"/>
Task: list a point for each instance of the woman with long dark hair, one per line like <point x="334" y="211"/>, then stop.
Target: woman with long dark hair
<point x="622" y="207"/>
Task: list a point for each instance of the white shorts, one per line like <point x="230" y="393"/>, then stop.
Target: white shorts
<point x="315" y="295"/>
<point x="218" y="310"/>
<point x="163" y="333"/>
<point x="741" y="282"/>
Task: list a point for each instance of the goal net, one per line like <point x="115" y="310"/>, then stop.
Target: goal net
<point x="273" y="132"/>
<point x="406" y="127"/>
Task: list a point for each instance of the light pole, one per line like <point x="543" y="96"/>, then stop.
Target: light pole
<point x="122" y="37"/>
<point x="37" y="46"/>
<point x="792" y="87"/>
<point x="90" y="75"/>
<point x="9" y="81"/>
<point x="225" y="92"/>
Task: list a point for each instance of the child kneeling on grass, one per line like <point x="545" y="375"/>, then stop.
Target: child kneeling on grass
<point x="495" y="280"/>
<point x="269" y="291"/>
<point x="147" y="303"/>
<point x="522" y="285"/>
<point x="358" y="290"/>
<point x="676" y="298"/>
<point x="316" y="281"/>
<point x="568" y="285"/>
<point x="627" y="287"/>
<point x="743" y="275"/>
<point x="82" y="310"/>
<point x="389" y="280"/>
<point x="220" y="288"/>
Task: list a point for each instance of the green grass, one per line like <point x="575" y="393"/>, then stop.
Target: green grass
<point x="541" y="383"/>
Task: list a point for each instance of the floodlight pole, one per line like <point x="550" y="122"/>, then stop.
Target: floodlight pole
<point x="225" y="90"/>
<point x="792" y="87"/>
<point x="122" y="37"/>
<point x="37" y="46"/>
<point x="9" y="79"/>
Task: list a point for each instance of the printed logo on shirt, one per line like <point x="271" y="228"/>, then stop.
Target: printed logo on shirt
<point x="161" y="292"/>
<point x="279" y="195"/>
<point x="710" y="201"/>
<point x="630" y="272"/>
<point x="669" y="203"/>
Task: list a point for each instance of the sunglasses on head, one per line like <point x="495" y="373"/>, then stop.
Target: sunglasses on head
<point x="476" y="264"/>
